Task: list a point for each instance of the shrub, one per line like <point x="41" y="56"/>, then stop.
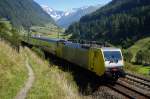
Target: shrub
<point x="143" y="57"/>
<point x="38" y="51"/>
<point x="127" y="55"/>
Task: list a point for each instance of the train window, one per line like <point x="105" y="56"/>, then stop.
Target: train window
<point x="112" y="55"/>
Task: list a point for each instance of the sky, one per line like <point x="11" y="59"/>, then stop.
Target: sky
<point x="68" y="4"/>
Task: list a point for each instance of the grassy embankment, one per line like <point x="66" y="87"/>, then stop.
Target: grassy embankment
<point x="13" y="72"/>
<point x="140" y="69"/>
<point x="139" y="45"/>
<point x="50" y="82"/>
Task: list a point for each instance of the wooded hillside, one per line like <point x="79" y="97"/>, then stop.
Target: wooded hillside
<point x="121" y="22"/>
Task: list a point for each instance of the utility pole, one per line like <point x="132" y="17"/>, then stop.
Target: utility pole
<point x="58" y="35"/>
<point x="28" y="33"/>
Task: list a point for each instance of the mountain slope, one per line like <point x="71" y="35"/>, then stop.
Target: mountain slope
<point x="121" y="22"/>
<point x="24" y="13"/>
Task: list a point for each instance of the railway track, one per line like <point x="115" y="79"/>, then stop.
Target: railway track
<point x="141" y="82"/>
<point x="138" y="79"/>
<point x="132" y="86"/>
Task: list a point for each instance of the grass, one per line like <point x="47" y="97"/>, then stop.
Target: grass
<point x="139" y="45"/>
<point x="47" y="30"/>
<point x="50" y="30"/>
<point x="51" y="82"/>
<point x="62" y="36"/>
<point x="13" y="72"/>
<point x="138" y="69"/>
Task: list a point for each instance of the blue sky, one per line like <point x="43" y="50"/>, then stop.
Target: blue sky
<point x="68" y="4"/>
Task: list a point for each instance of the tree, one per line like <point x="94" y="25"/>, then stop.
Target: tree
<point x="8" y="33"/>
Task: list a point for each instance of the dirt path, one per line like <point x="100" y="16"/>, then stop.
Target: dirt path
<point x="23" y="92"/>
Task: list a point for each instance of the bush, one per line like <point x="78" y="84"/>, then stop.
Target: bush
<point x="143" y="57"/>
<point x="38" y="51"/>
<point x="127" y="55"/>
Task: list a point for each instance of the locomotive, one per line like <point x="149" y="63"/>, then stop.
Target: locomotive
<point x="100" y="60"/>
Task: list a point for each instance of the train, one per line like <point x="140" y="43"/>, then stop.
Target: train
<point x="100" y="60"/>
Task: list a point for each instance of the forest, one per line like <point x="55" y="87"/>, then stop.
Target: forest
<point x="24" y="13"/>
<point x="121" y="22"/>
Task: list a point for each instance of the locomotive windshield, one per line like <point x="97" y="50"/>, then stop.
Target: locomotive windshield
<point x="112" y="55"/>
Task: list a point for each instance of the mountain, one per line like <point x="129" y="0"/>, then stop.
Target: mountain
<point x="120" y="22"/>
<point x="75" y="15"/>
<point x="55" y="14"/>
<point x="24" y="13"/>
<point x="65" y="18"/>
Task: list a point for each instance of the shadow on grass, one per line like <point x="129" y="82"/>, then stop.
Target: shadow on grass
<point x="87" y="82"/>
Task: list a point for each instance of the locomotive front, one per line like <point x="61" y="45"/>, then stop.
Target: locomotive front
<point x="113" y="61"/>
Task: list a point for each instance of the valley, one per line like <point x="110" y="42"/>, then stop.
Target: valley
<point x="96" y="50"/>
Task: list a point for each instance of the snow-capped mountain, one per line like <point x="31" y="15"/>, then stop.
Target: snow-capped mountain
<point x="56" y="15"/>
<point x="65" y="18"/>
